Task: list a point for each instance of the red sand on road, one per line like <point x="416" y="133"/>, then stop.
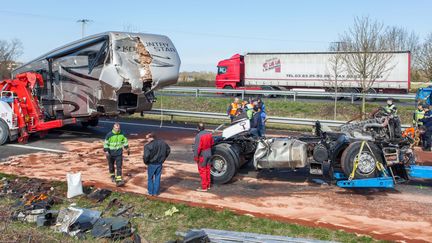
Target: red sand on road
<point x="390" y="215"/>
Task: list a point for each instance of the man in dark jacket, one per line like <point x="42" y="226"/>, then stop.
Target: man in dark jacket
<point x="114" y="143"/>
<point x="155" y="153"/>
<point x="202" y="154"/>
<point x="256" y="122"/>
<point x="427" y="122"/>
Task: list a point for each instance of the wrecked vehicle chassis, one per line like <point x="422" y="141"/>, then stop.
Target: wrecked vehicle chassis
<point x="338" y="149"/>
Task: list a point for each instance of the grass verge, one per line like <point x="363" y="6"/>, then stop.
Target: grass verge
<point x="155" y="227"/>
<point x="278" y="107"/>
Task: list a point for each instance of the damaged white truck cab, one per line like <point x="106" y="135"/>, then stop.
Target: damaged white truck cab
<point x="340" y="149"/>
<point x="105" y="74"/>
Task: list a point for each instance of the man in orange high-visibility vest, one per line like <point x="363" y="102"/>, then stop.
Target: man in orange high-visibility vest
<point x="233" y="109"/>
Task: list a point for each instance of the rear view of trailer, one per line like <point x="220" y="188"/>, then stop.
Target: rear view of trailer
<point x="314" y="70"/>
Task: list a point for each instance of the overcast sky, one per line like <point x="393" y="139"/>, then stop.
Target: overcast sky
<point x="205" y="32"/>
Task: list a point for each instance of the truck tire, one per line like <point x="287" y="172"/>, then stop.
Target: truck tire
<point x="371" y="91"/>
<point x="229" y="87"/>
<point x="223" y="164"/>
<point x="367" y="164"/>
<point x="85" y="124"/>
<point x="355" y="91"/>
<point x="93" y="122"/>
<point x="235" y="153"/>
<point x="332" y="96"/>
<point x="4" y="132"/>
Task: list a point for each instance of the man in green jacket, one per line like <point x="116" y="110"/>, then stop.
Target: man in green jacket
<point x="114" y="143"/>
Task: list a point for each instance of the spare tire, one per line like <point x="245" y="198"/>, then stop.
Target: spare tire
<point x="367" y="163"/>
<point x="224" y="164"/>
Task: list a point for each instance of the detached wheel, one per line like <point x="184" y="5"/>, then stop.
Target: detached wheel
<point x="367" y="165"/>
<point x="223" y="164"/>
<point x="4" y="132"/>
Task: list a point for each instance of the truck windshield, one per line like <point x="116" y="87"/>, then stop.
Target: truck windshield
<point x="222" y="69"/>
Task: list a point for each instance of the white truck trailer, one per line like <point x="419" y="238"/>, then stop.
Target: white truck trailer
<point x="308" y="70"/>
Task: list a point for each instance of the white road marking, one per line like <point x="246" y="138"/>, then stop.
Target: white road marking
<point x="150" y="125"/>
<point x="77" y="132"/>
<point x="36" y="148"/>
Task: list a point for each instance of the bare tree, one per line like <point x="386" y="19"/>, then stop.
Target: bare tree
<point x="425" y="58"/>
<point x="399" y="39"/>
<point x="9" y="52"/>
<point x="336" y="68"/>
<point x="367" y="58"/>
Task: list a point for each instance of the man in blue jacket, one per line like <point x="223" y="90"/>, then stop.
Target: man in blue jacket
<point x="427" y="122"/>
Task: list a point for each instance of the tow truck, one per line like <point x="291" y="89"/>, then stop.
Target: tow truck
<point x="21" y="113"/>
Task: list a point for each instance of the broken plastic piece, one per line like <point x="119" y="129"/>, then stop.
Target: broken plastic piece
<point x="170" y="212"/>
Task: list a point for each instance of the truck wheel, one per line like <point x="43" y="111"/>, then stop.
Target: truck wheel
<point x="235" y="153"/>
<point x="85" y="124"/>
<point x="93" y="122"/>
<point x="332" y="96"/>
<point x="371" y="91"/>
<point x="268" y="88"/>
<point x="355" y="91"/>
<point x="367" y="164"/>
<point x="223" y="164"/>
<point x="229" y="87"/>
<point x="4" y="132"/>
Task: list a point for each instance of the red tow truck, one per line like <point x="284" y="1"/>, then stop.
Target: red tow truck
<point x="21" y="114"/>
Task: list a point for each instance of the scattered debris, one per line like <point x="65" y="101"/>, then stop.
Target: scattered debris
<point x="99" y="195"/>
<point x="170" y="212"/>
<point x="36" y="197"/>
<point x="122" y="210"/>
<point x="114" y="228"/>
<point x="223" y="236"/>
<point x="320" y="182"/>
<point x="47" y="219"/>
<point x="76" y="220"/>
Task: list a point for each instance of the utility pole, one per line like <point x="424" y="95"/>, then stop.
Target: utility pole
<point x="83" y="23"/>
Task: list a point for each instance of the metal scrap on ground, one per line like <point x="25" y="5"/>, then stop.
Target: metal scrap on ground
<point x="223" y="236"/>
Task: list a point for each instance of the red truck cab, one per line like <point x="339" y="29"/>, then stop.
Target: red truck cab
<point x="230" y="73"/>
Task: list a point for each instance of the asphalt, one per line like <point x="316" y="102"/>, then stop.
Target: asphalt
<point x="52" y="142"/>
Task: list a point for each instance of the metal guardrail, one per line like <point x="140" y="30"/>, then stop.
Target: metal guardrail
<point x="272" y="119"/>
<point x="294" y="94"/>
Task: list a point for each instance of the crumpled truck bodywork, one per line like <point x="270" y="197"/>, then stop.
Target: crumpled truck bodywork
<point x="280" y="153"/>
<point x="105" y="74"/>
